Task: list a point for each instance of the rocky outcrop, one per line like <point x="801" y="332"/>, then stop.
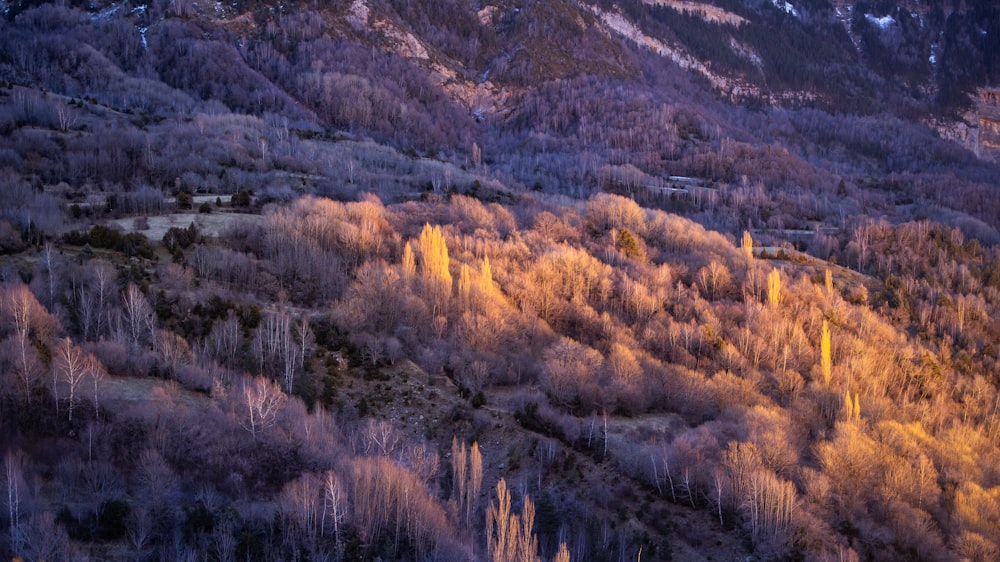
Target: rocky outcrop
<point x="988" y="108"/>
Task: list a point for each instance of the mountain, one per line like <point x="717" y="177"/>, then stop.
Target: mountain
<point x="514" y="280"/>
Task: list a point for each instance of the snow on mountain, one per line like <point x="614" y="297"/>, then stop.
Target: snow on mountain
<point x="786" y="6"/>
<point x="882" y="22"/>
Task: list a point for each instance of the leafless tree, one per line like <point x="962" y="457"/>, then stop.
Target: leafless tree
<point x="378" y="437"/>
<point x="66" y="117"/>
<point x="509" y="538"/>
<point x="262" y="400"/>
<point x="475" y="481"/>
<point x="14" y="477"/>
<point x="96" y="371"/>
<point x="140" y="532"/>
<point x="334" y="512"/>
<point x="459" y="468"/>
<point x="49" y="257"/>
<point x="138" y="318"/>
<point x="44" y="539"/>
<point x="104" y="286"/>
<point x="223" y="342"/>
<point x="72" y="366"/>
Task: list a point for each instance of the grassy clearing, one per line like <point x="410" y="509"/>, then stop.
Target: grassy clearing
<point x="210" y="224"/>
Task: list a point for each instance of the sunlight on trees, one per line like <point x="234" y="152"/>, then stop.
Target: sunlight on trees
<point x="262" y="399"/>
<point x="774" y="288"/>
<point x="509" y="537"/>
<point x="746" y="245"/>
<point x="826" y="359"/>
<point x="434" y="266"/>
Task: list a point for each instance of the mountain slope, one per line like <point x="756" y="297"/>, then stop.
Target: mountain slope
<point x="309" y="280"/>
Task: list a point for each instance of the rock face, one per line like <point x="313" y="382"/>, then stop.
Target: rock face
<point x="988" y="107"/>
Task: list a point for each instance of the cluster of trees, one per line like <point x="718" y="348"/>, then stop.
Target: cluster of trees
<point x="204" y="393"/>
<point x="136" y="117"/>
<point x="787" y="384"/>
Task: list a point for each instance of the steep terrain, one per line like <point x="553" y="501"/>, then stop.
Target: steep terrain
<point x="681" y="280"/>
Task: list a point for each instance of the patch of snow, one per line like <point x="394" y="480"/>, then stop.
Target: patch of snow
<point x="786" y="6"/>
<point x="142" y="37"/>
<point x="140" y="9"/>
<point x="107" y="13"/>
<point x="883" y="22"/>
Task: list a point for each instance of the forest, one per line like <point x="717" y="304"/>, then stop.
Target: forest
<point x="403" y="280"/>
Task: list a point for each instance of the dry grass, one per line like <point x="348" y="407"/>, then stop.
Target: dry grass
<point x="208" y="224"/>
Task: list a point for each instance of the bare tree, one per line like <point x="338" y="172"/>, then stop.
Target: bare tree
<point x="139" y="320"/>
<point x="26" y="364"/>
<point x="378" y="437"/>
<point x="475" y="480"/>
<point x="49" y="259"/>
<point x="502" y="527"/>
<point x="281" y="347"/>
<point x="262" y="400"/>
<point x="44" y="539"/>
<point x="71" y="367"/>
<point x="334" y="507"/>
<point x="509" y="538"/>
<point x="14" y="472"/>
<point x="223" y="342"/>
<point x="302" y="510"/>
<point x="459" y="468"/>
<point x="140" y="532"/>
<point x="96" y="372"/>
<point x="104" y="286"/>
<point x="66" y="118"/>
<point x="563" y="554"/>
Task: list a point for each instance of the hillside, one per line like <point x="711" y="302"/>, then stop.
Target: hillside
<point x="513" y="280"/>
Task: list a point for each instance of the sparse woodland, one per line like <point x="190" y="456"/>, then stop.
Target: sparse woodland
<point x="284" y="299"/>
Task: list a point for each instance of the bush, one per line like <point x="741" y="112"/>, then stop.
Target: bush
<point x="132" y="244"/>
<point x="241" y="199"/>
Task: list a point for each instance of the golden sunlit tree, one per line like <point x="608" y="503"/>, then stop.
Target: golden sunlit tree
<point x="747" y="245"/>
<point x="459" y="468"/>
<point x="467" y="476"/>
<point x="829" y="283"/>
<point x="563" y="554"/>
<point x="774" y="287"/>
<point x="464" y="285"/>
<point x="434" y="266"/>
<point x="409" y="262"/>
<point x="486" y="277"/>
<point x="508" y="536"/>
<point x="826" y="358"/>
<point x="475" y="480"/>
<point x="852" y="408"/>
